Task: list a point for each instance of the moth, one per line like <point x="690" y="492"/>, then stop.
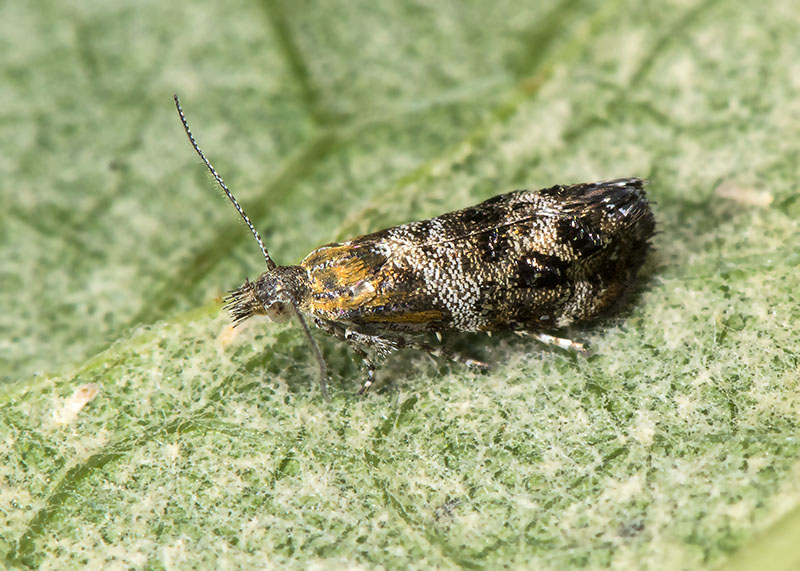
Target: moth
<point x="526" y="261"/>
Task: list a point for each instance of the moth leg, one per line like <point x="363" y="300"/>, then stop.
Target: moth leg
<point x="367" y="363"/>
<point x="357" y="342"/>
<point x="382" y="346"/>
<point x="442" y="352"/>
<point x="330" y="328"/>
<point x="567" y="344"/>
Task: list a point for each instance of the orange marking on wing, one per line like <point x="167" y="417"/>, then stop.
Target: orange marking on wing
<point x="343" y="278"/>
<point x="411" y="317"/>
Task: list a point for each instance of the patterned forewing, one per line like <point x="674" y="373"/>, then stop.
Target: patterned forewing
<point x="523" y="260"/>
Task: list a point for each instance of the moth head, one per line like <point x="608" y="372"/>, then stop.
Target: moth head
<point x="257" y="298"/>
<point x="272" y="294"/>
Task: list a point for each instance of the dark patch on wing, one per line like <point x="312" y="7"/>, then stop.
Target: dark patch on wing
<point x="496" y="244"/>
<point x="553" y="191"/>
<point x="475" y="218"/>
<point x="580" y="237"/>
<point x="542" y="271"/>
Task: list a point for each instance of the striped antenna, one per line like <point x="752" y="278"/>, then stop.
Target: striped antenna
<point x="270" y="264"/>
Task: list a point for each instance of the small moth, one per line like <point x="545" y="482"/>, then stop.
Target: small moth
<point x="526" y="261"/>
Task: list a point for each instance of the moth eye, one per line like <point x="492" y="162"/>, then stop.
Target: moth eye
<point x="278" y="312"/>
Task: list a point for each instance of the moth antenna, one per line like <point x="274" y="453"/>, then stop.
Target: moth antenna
<point x="270" y="264"/>
<point x="323" y="369"/>
<point x="245" y="311"/>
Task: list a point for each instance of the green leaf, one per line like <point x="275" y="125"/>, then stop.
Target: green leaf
<point x="139" y="430"/>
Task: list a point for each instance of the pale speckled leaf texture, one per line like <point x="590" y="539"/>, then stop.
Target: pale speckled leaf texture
<point x="139" y="430"/>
